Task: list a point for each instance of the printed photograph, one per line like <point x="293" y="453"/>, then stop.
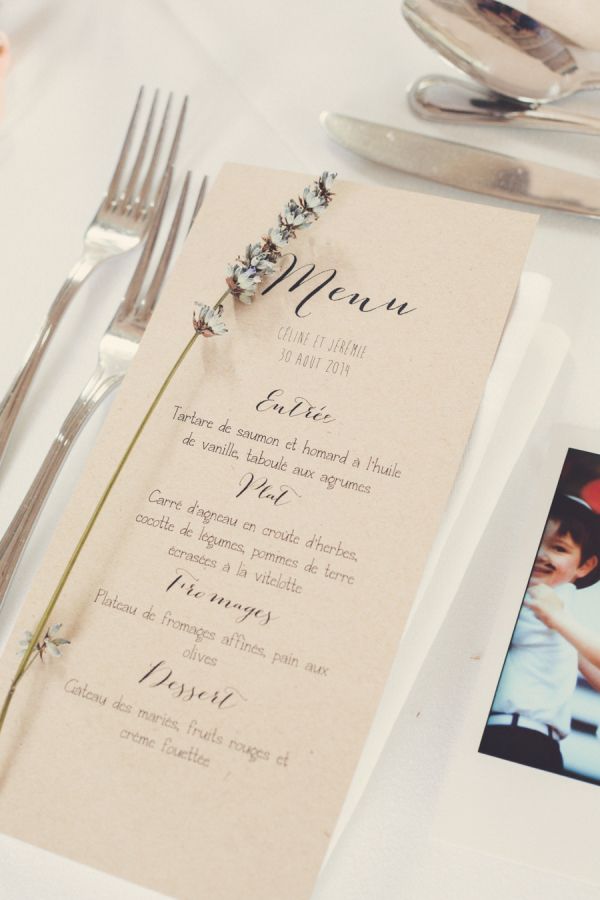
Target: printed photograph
<point x="546" y="709"/>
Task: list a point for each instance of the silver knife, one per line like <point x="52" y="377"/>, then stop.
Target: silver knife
<point x="469" y="168"/>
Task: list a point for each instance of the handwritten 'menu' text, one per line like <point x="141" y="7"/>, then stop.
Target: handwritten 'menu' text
<point x="336" y="294"/>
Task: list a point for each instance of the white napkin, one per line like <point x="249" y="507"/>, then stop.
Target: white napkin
<point x="527" y="363"/>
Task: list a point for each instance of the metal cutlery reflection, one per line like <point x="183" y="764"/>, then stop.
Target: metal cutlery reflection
<point x="440" y="99"/>
<point x="121" y="222"/>
<point x="506" y="50"/>
<point x="117" y="348"/>
<point x="468" y="168"/>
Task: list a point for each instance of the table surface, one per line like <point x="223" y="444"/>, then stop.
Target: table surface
<point x="257" y="76"/>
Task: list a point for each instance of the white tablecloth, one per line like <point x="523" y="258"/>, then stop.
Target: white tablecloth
<point x="258" y="75"/>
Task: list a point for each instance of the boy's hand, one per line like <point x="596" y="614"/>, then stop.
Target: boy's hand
<point x="545" y="603"/>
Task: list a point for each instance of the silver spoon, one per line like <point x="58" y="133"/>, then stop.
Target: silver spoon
<point x="504" y="49"/>
<point x="440" y="99"/>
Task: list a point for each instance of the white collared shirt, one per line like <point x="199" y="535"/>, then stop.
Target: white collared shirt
<point x="540" y="671"/>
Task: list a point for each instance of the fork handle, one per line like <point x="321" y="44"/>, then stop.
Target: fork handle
<point x="15" y="396"/>
<point x="19" y="531"/>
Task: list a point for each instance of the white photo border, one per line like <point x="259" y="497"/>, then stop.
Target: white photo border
<point x="495" y="805"/>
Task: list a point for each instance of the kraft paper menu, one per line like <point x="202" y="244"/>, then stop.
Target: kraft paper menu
<point x="235" y="611"/>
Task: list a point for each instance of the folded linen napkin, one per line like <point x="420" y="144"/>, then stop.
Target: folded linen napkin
<point x="527" y="363"/>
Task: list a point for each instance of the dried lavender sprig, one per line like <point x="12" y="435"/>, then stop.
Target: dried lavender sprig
<point x="242" y="283"/>
<point x="261" y="258"/>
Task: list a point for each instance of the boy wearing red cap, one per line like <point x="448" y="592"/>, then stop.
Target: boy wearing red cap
<point x="531" y="711"/>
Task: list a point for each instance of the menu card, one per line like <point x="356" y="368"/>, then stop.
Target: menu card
<point x="235" y="611"/>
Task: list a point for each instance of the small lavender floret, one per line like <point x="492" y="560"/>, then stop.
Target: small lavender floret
<point x="207" y="320"/>
<point x="50" y="643"/>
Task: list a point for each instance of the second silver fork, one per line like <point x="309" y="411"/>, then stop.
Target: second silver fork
<point x="122" y="221"/>
<point x="117" y="348"/>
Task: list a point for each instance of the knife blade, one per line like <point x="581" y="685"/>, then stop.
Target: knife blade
<point x="465" y="167"/>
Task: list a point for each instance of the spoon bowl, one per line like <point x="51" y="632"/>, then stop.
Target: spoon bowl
<point x="504" y="49"/>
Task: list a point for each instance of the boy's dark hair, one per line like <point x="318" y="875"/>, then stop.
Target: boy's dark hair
<point x="578" y="519"/>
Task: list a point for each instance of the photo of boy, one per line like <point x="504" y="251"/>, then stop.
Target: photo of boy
<point x="531" y="713"/>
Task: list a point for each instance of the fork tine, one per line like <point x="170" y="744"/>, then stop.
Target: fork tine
<point x="147" y="186"/>
<point x="199" y="201"/>
<point x="127" y="197"/>
<point x="116" y="177"/>
<point x="146" y="304"/>
<point x="178" y="130"/>
<point x="137" y="278"/>
<point x="143" y="195"/>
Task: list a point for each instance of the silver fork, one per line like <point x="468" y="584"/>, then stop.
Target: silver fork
<point x="121" y="223"/>
<point x="117" y="348"/>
